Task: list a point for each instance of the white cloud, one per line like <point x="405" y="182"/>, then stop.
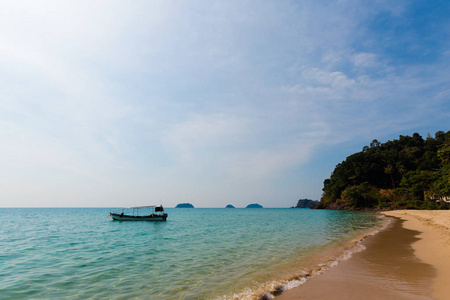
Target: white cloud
<point x="147" y="98"/>
<point x="206" y="136"/>
<point x="320" y="85"/>
<point x="366" y="60"/>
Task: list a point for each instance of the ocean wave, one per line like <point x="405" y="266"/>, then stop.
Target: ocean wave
<point x="270" y="290"/>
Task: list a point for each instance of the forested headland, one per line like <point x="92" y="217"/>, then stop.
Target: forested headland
<point x="409" y="173"/>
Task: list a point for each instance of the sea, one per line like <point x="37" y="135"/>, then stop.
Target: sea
<point x="198" y="253"/>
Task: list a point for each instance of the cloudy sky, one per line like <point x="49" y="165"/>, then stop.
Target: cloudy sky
<point x="122" y="103"/>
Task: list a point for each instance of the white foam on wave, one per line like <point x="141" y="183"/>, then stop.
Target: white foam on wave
<point x="269" y="290"/>
<point x="347" y="254"/>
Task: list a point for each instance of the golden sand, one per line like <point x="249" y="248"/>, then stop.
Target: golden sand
<point x="434" y="245"/>
<point x="408" y="260"/>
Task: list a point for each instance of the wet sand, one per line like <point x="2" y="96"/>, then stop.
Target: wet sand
<point x="387" y="269"/>
<point x="434" y="245"/>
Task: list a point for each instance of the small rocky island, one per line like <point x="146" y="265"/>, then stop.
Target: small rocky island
<point x="184" y="205"/>
<point x="254" y="205"/>
<point x="306" y="203"/>
<point x="229" y="206"/>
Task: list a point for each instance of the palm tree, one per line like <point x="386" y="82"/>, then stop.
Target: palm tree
<point x="389" y="170"/>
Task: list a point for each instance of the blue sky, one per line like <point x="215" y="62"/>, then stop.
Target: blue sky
<point x="123" y="103"/>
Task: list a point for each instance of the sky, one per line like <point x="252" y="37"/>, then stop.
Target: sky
<point x="126" y="103"/>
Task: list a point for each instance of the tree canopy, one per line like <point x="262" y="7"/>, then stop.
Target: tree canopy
<point x="409" y="172"/>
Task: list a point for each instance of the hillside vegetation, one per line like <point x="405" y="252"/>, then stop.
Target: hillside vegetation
<point x="410" y="173"/>
<point x="306" y="203"/>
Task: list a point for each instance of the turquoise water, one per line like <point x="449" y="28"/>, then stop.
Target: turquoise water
<point x="78" y="253"/>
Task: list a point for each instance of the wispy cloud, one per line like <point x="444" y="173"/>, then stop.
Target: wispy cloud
<point x="207" y="100"/>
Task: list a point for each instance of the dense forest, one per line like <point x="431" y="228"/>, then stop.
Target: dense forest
<point x="306" y="203"/>
<point x="410" y="173"/>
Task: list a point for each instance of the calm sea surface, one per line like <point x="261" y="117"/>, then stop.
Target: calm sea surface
<point x="79" y="253"/>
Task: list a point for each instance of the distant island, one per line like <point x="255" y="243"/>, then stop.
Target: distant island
<point x="306" y="203"/>
<point x="254" y="205"/>
<point x="184" y="205"/>
<point x="229" y="206"/>
<point x="408" y="173"/>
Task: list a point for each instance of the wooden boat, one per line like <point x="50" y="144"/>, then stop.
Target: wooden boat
<point x="140" y="213"/>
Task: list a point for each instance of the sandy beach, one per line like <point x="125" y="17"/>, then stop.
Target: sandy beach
<point x="408" y="260"/>
<point x="434" y="245"/>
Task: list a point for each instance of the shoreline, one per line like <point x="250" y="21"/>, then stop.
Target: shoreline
<point x="407" y="260"/>
<point x="434" y="245"/>
<point x="313" y="263"/>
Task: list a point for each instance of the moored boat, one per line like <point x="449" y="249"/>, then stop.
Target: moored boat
<point x="140" y="213"/>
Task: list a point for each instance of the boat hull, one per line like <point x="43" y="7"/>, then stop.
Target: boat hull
<point x="154" y="218"/>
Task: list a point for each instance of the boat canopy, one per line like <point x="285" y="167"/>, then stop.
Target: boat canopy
<point x="141" y="209"/>
<point x="157" y="208"/>
<point x="140" y="213"/>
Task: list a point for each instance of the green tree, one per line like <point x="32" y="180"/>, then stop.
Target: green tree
<point x="418" y="183"/>
<point x="444" y="153"/>
<point x="389" y="170"/>
<point x="360" y="196"/>
<point x="400" y="173"/>
<point x="375" y="143"/>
